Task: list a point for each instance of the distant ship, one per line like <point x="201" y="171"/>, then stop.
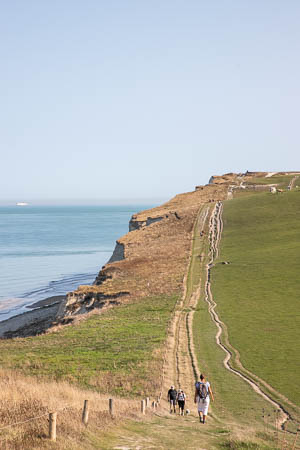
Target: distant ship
<point x="21" y="204"/>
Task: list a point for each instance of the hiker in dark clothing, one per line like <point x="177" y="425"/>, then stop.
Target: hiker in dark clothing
<point x="172" y="398"/>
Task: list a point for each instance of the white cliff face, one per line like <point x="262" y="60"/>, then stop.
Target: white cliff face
<point x="118" y="253"/>
<point x="137" y="224"/>
<point x="76" y="303"/>
<point x="150" y="238"/>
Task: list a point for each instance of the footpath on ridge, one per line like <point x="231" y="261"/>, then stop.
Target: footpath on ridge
<point x="169" y="251"/>
<point x="216" y="227"/>
<point x="181" y="366"/>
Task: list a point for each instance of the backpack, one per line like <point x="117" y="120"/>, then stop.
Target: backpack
<point x="202" y="390"/>
<point x="181" y="396"/>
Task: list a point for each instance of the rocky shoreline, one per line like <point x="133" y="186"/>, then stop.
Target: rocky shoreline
<point x="33" y="322"/>
<point x="148" y="260"/>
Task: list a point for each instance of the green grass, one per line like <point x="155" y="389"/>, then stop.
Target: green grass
<point x="258" y="293"/>
<point x="235" y="401"/>
<point x="281" y="180"/>
<point x="234" y="398"/>
<point x="116" y="351"/>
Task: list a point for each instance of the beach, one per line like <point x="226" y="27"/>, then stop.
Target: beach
<point x="33" y="322"/>
<point x="48" y="251"/>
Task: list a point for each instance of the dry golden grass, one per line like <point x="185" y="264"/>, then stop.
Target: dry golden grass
<point x="23" y="398"/>
<point x="155" y="256"/>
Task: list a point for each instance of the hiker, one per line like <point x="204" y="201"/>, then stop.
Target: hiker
<point x="181" y="401"/>
<point x="203" y="393"/>
<point x="172" y="398"/>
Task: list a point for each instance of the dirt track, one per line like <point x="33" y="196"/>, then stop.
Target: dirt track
<point x="180" y="365"/>
<point x="216" y="227"/>
<point x="292" y="182"/>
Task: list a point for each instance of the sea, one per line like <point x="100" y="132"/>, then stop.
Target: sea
<point x="51" y="250"/>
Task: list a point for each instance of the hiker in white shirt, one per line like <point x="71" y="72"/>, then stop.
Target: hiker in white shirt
<point x="203" y="394"/>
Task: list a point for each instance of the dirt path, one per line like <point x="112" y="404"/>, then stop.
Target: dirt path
<point x="180" y="367"/>
<point x="216" y="227"/>
<point x="292" y="182"/>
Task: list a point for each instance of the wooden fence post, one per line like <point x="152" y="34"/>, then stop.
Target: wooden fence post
<point x="85" y="413"/>
<point x="111" y="406"/>
<point x="143" y="408"/>
<point x="52" y="426"/>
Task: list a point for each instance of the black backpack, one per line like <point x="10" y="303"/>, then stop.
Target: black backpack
<point x="202" y="390"/>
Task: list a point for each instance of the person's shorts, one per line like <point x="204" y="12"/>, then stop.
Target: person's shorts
<point x="181" y="404"/>
<point x="173" y="402"/>
<point x="203" y="405"/>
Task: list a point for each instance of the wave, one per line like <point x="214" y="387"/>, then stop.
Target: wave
<point x="17" y="305"/>
<point x="10" y="304"/>
<point x="31" y="253"/>
<point x="62" y="285"/>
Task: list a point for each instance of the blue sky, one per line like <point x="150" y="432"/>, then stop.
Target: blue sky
<point x="144" y="99"/>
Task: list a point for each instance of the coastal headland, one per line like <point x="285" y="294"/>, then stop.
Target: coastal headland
<point x="149" y="260"/>
<point x="187" y="290"/>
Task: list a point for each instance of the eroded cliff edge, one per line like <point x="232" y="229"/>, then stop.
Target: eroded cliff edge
<point x="147" y="261"/>
<point x="150" y="259"/>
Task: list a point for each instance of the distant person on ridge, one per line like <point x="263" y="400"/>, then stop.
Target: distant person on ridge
<point x="172" y="398"/>
<point x="203" y="393"/>
<point x="181" y="401"/>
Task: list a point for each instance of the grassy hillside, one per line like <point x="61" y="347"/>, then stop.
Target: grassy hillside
<point x="119" y="350"/>
<point x="116" y="351"/>
<point x="258" y="292"/>
<point x="235" y="401"/>
<point x="280" y="180"/>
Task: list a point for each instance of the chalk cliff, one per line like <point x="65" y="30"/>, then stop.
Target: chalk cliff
<point x="150" y="258"/>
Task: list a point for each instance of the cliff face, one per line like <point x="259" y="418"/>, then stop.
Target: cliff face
<point x="136" y="223"/>
<point x="118" y="254"/>
<point x="150" y="259"/>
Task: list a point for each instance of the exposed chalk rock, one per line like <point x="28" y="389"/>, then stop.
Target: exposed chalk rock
<point x="151" y="220"/>
<point x="118" y="254"/>
<point x="81" y="303"/>
<point x="135" y="224"/>
<point x="138" y="224"/>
